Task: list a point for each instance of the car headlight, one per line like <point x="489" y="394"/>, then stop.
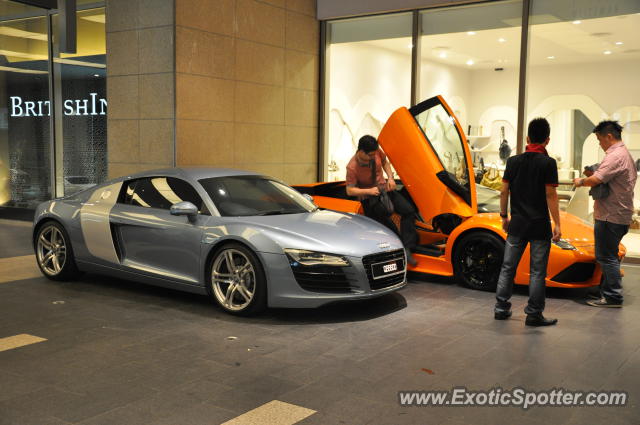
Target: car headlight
<point x="565" y="244"/>
<point x="313" y="258"/>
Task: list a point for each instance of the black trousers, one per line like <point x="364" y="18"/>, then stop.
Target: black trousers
<point x="407" y="233"/>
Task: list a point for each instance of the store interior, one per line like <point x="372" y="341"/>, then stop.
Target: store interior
<point x="579" y="72"/>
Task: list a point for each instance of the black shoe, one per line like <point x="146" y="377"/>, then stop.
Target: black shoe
<point x="411" y="260"/>
<point x="502" y="315"/>
<point x="603" y="302"/>
<point x="539" y="320"/>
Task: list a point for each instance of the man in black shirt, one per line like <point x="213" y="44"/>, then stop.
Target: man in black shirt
<point x="530" y="179"/>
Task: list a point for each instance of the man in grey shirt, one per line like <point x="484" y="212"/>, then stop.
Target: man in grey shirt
<point x="612" y="212"/>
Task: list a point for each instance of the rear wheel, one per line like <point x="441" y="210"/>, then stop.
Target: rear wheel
<point x="237" y="281"/>
<point x="477" y="260"/>
<point x="54" y="253"/>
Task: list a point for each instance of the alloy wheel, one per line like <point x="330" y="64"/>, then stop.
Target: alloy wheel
<point x="51" y="250"/>
<point x="233" y="279"/>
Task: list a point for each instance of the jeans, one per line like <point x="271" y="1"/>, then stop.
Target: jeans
<point x="408" y="234"/>
<point x="608" y="236"/>
<point x="539" y="253"/>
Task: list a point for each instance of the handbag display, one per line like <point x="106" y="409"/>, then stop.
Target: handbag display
<point x="504" y="151"/>
<point x="492" y="178"/>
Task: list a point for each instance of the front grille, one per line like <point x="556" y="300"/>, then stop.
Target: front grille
<point x="577" y="272"/>
<point x="384" y="282"/>
<point x="322" y="278"/>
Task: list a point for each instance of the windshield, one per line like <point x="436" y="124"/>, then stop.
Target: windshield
<point x="488" y="199"/>
<point x="254" y="195"/>
<point x="441" y="131"/>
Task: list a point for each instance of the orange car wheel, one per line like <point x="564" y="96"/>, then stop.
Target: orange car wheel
<point x="477" y="260"/>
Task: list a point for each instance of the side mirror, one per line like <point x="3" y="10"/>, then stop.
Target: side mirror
<point x="308" y="197"/>
<point x="184" y="208"/>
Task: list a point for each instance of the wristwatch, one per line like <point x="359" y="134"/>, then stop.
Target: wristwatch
<point x="504" y="215"/>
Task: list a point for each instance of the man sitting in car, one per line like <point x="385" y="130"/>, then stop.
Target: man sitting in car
<point x="365" y="181"/>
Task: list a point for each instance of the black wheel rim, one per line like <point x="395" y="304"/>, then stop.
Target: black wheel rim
<point x="480" y="262"/>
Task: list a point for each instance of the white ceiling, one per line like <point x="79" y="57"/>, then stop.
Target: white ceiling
<point x="566" y="42"/>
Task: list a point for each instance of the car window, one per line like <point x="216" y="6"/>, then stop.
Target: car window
<point x="254" y="195"/>
<point x="161" y="193"/>
<point x="441" y="131"/>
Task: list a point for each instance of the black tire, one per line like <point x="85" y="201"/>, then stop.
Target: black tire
<point x="477" y="260"/>
<point x="54" y="253"/>
<point x="245" y="278"/>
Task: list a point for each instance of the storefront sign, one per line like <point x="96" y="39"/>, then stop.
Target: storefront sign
<point x="72" y="107"/>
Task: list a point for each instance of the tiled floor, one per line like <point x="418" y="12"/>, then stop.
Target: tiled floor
<point x="121" y="353"/>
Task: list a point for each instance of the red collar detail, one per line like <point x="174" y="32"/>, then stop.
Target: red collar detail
<point x="535" y="147"/>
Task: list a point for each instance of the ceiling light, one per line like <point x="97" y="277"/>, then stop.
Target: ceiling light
<point x="470" y="62"/>
<point x="501" y="40"/>
<point x="619" y="43"/>
<point x="551" y="57"/>
<point x="607" y="52"/>
<point x="471" y="33"/>
<point x="443" y="55"/>
<point x="576" y="22"/>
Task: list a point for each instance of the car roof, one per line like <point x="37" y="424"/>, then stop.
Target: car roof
<point x="191" y="173"/>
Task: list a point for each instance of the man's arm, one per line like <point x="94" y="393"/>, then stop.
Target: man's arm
<point x="554" y="209"/>
<point x="589" y="181"/>
<point x="504" y="203"/>
<point x="391" y="182"/>
<point x="356" y="191"/>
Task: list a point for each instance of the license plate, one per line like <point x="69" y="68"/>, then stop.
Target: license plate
<point x="386" y="268"/>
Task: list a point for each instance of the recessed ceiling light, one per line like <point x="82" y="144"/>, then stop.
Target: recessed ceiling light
<point x="470" y="62"/>
<point x="551" y="57"/>
<point x="501" y="40"/>
<point x="443" y="55"/>
<point x="471" y="33"/>
<point x="607" y="52"/>
<point x="576" y="22"/>
<point x="619" y="43"/>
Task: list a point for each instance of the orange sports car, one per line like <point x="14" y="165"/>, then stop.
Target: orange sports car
<point x="458" y="221"/>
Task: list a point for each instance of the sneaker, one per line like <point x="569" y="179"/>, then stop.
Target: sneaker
<point x="603" y="302"/>
<point x="539" y="320"/>
<point x="502" y="315"/>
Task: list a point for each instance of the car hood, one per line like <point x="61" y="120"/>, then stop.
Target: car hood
<point x="429" y="151"/>
<point x="326" y="231"/>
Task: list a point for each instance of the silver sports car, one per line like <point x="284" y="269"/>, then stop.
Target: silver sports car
<point x="246" y="240"/>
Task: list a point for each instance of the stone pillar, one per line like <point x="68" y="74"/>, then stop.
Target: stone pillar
<point x="247" y="86"/>
<point x="238" y="88"/>
<point x="140" y="85"/>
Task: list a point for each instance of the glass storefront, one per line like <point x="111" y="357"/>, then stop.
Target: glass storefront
<point x="582" y="61"/>
<point x="52" y="106"/>
<point x="369" y="77"/>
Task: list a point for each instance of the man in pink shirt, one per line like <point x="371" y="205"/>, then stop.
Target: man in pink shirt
<point x="612" y="212"/>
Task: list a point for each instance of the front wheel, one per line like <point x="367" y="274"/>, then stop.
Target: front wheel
<point x="237" y="281"/>
<point x="477" y="260"/>
<point x="54" y="253"/>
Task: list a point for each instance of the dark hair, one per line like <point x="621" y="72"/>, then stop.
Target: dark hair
<point x="538" y="130"/>
<point x="367" y="144"/>
<point x="609" y="127"/>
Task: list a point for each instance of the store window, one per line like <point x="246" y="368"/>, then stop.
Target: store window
<point x="25" y="154"/>
<point x="52" y="124"/>
<point x="583" y="64"/>
<point x="368" y="76"/>
<point x="80" y="93"/>
<point x="470" y="55"/>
